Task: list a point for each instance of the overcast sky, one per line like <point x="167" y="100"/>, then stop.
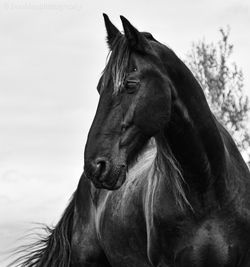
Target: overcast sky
<point x="51" y="55"/>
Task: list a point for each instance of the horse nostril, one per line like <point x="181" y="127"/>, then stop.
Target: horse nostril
<point x="101" y="169"/>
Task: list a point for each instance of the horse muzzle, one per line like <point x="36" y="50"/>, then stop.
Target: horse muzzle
<point x="104" y="175"/>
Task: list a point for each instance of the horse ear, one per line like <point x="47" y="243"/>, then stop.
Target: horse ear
<point x="135" y="39"/>
<point x="112" y="31"/>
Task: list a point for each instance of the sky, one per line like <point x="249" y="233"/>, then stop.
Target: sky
<point x="51" y="56"/>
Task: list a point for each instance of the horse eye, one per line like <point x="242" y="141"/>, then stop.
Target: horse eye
<point x="134" y="69"/>
<point x="131" y="86"/>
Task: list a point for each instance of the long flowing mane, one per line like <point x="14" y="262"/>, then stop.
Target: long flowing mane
<point x="167" y="165"/>
<point x="52" y="249"/>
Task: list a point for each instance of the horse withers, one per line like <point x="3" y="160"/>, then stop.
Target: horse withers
<point x="164" y="184"/>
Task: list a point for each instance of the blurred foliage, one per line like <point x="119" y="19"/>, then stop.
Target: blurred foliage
<point x="222" y="82"/>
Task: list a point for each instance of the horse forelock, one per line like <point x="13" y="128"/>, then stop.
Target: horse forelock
<point x="117" y="64"/>
<point x="118" y="60"/>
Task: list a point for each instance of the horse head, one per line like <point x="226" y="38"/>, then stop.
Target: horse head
<point x="134" y="105"/>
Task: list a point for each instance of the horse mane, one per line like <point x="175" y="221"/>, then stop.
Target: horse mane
<point x="52" y="249"/>
<point x="158" y="152"/>
<point x="167" y="166"/>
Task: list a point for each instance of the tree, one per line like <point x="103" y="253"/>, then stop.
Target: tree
<point x="222" y="82"/>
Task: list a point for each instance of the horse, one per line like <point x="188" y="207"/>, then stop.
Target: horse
<point x="164" y="184"/>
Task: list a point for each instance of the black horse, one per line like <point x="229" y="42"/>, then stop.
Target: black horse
<point x="168" y="186"/>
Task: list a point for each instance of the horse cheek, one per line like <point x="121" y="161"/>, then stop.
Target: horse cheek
<point x="152" y="113"/>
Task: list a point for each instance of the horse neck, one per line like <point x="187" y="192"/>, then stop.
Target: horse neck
<point x="193" y="133"/>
